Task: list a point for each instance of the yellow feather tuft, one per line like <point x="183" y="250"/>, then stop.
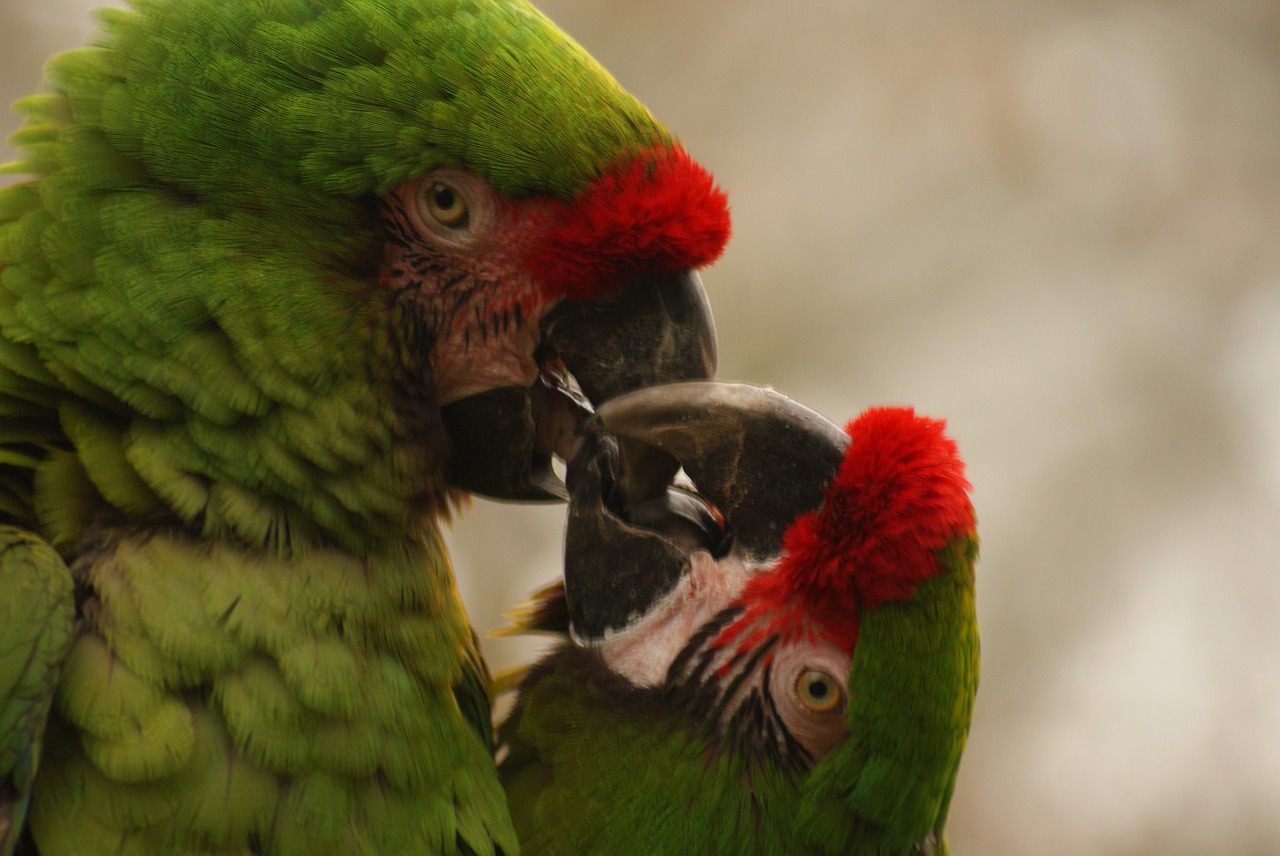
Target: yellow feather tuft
<point x="544" y="611"/>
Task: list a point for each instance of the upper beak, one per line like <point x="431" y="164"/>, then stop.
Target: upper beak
<point x="657" y="330"/>
<point x="758" y="461"/>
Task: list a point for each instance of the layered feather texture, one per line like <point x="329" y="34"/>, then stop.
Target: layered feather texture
<point x="899" y="497"/>
<point x="220" y="700"/>
<point x="655" y="212"/>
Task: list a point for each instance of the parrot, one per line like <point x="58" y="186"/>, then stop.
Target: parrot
<point x="282" y="284"/>
<point x="781" y="657"/>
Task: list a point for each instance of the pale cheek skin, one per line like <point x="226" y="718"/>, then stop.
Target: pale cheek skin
<point x="643" y="652"/>
<point x="465" y="362"/>
<point x="475" y="296"/>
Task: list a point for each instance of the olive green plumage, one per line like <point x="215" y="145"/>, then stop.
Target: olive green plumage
<point x="226" y="700"/>
<point x="599" y="766"/>
<point x="203" y="401"/>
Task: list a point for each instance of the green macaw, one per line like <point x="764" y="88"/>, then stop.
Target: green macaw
<point x="288" y="275"/>
<point x="784" y="662"/>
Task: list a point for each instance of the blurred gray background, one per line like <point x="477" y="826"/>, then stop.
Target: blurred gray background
<point x="1057" y="225"/>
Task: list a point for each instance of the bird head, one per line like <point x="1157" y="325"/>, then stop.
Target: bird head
<point x="742" y="600"/>
<point x="305" y="268"/>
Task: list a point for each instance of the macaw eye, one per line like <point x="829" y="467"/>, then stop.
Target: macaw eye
<point x="818" y="691"/>
<point x="808" y="684"/>
<point x="449" y="209"/>
<point x="446" y="205"/>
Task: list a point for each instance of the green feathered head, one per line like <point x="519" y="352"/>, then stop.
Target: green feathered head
<point x="266" y="241"/>
<point x="272" y="101"/>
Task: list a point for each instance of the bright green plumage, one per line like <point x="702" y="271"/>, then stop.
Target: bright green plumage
<point x="911" y="693"/>
<point x="333" y="680"/>
<point x="203" y="403"/>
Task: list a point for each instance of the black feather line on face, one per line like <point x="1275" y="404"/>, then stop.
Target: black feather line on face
<point x="395" y="221"/>
<point x="416" y="327"/>
<point x="442" y="286"/>
<point x="697" y="644"/>
<point x="729" y="697"/>
<point x="415" y="385"/>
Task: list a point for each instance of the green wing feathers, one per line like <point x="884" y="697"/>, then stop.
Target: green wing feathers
<point x="37" y="613"/>
<point x="218" y="697"/>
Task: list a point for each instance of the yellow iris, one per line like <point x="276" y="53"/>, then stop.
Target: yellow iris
<point x="818" y="691"/>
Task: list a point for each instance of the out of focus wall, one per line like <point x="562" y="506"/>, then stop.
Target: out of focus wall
<point x="1056" y="224"/>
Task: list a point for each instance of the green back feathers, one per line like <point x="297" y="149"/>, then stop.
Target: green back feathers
<point x="37" y="614"/>
<point x="188" y="290"/>
<point x="596" y="766"/>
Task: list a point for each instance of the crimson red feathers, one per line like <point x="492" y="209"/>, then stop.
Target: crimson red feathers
<point x="899" y="496"/>
<point x="657" y="212"/>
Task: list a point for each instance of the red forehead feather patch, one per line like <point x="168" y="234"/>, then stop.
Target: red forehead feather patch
<point x="659" y="211"/>
<point x="899" y="496"/>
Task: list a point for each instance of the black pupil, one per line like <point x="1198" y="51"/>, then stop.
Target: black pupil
<point x="444" y="198"/>
<point x="818" y="688"/>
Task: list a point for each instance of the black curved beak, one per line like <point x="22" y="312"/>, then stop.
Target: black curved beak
<point x="757" y="459"/>
<point x="657" y="330"/>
